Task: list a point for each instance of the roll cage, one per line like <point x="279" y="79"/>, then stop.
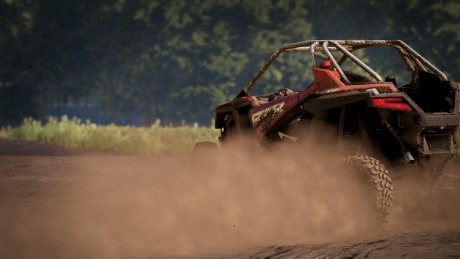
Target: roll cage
<point x="323" y="48"/>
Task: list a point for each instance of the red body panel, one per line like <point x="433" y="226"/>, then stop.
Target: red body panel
<point x="264" y="117"/>
<point x="236" y="103"/>
<point x="391" y="103"/>
<point x="270" y="117"/>
<point x="325" y="82"/>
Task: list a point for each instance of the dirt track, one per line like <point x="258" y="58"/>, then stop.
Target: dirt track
<point x="57" y="203"/>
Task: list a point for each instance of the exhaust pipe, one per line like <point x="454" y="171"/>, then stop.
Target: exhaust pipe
<point x="409" y="158"/>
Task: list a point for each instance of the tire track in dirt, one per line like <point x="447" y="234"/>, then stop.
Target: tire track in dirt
<point x="441" y="244"/>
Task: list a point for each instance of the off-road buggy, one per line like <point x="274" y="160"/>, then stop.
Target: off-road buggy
<point x="384" y="132"/>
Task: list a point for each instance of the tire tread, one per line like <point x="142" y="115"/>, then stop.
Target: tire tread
<point x="377" y="177"/>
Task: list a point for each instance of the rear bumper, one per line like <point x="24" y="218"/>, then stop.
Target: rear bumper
<point x="426" y="119"/>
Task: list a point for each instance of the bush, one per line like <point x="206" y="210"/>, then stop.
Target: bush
<point x="127" y="140"/>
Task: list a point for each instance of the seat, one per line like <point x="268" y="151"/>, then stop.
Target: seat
<point x="358" y="78"/>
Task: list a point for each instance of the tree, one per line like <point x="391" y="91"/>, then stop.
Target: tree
<point x="176" y="60"/>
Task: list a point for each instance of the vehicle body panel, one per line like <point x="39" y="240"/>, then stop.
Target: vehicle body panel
<point x="422" y="134"/>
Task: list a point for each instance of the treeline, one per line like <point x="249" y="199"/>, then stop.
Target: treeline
<point x="177" y="59"/>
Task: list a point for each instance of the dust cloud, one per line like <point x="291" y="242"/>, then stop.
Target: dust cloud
<point x="146" y="207"/>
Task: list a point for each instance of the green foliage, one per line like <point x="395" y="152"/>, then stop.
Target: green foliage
<point x="151" y="55"/>
<point x="153" y="140"/>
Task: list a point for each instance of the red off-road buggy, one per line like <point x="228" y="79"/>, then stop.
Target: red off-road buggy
<point x="386" y="133"/>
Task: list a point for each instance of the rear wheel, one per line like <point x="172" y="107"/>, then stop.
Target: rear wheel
<point x="372" y="183"/>
<point x="204" y="157"/>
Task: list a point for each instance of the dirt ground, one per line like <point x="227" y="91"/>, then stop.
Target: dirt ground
<point x="58" y="203"/>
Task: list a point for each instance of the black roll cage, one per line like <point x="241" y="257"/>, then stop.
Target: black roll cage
<point x="347" y="47"/>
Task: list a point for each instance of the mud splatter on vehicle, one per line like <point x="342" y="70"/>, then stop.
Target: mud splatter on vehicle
<point x="383" y="135"/>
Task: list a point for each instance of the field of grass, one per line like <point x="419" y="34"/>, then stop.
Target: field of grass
<point x="127" y="140"/>
<point x="154" y="140"/>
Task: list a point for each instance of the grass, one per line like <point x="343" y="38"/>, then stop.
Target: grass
<point x="127" y="140"/>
